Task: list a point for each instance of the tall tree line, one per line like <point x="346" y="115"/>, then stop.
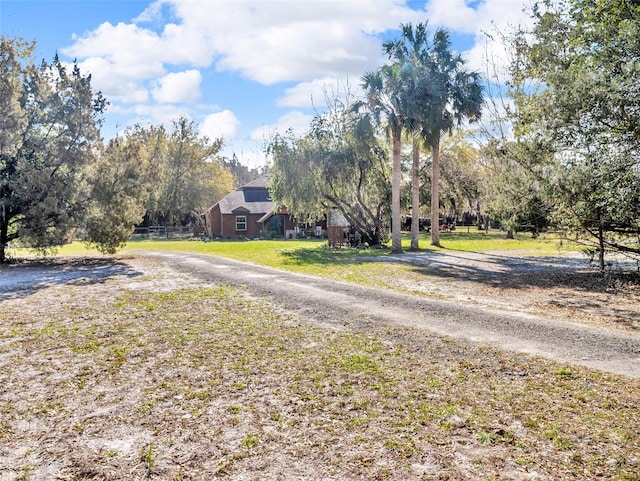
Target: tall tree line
<point x="59" y="180"/>
<point x="575" y="147"/>
<point x="568" y="155"/>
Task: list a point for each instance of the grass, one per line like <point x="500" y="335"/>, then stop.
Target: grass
<point x="377" y="268"/>
<point x="350" y="265"/>
<point x="137" y="378"/>
<point x="571" y="295"/>
<point x="270" y="252"/>
<point x="199" y="382"/>
<point x="549" y="244"/>
<point x="360" y="266"/>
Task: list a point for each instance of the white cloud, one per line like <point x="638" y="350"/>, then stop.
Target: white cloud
<point x="302" y="50"/>
<point x="313" y="45"/>
<point x="220" y="124"/>
<point x="297" y="122"/>
<point x="271" y="41"/>
<point x="493" y="17"/>
<point x="151" y="13"/>
<point x="119" y="58"/>
<point x="136" y="52"/>
<point x="488" y="56"/>
<point x="319" y="92"/>
<point x="267" y="42"/>
<point x="453" y="14"/>
<point x="163" y="114"/>
<point x="179" y="87"/>
<point x="116" y="86"/>
<point x="467" y="16"/>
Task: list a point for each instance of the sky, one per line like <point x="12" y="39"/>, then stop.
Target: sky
<point x="241" y="69"/>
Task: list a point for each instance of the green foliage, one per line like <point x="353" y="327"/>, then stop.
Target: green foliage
<point x="421" y="101"/>
<point x="183" y="174"/>
<point x="586" y="53"/>
<point x="387" y="102"/>
<point x="117" y="196"/>
<point x="462" y="174"/>
<point x="250" y="440"/>
<point x="519" y="164"/>
<point x="49" y="134"/>
<point x="440" y="95"/>
<point x="515" y="192"/>
<point x="148" y="457"/>
<point x="337" y="165"/>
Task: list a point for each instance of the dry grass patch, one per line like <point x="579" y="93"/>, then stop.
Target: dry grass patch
<point x="137" y="377"/>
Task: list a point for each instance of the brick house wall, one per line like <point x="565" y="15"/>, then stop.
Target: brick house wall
<point x="225" y="225"/>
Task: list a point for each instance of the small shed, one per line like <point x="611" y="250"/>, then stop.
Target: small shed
<point x="337" y="228"/>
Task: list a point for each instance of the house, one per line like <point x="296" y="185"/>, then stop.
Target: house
<point x="249" y="212"/>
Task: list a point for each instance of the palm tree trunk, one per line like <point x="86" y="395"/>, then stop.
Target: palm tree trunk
<point x="4" y="232"/>
<point x="415" y="197"/>
<point x="601" y="244"/>
<point x="396" y="234"/>
<point x="435" y="193"/>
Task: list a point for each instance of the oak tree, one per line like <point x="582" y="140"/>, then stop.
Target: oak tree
<point x="338" y="164"/>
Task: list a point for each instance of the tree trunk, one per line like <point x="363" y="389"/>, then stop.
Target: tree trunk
<point x="435" y="193"/>
<point x="601" y="244"/>
<point x="415" y="197"/>
<point x="396" y="234"/>
<point x="4" y="230"/>
<point x="370" y="237"/>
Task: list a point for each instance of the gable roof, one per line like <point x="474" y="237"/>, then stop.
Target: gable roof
<point x="252" y="198"/>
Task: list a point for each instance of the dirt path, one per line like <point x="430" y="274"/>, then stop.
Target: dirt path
<point x="150" y="367"/>
<point x="328" y="302"/>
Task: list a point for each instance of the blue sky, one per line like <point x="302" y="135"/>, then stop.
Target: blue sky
<point x="242" y="69"/>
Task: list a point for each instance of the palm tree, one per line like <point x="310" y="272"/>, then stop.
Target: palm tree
<point x="385" y="99"/>
<point x="447" y="94"/>
<point x="462" y="99"/>
<point x="410" y="51"/>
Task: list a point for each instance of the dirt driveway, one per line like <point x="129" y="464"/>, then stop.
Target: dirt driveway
<point x="527" y="304"/>
<point x="180" y="366"/>
<point x="328" y="302"/>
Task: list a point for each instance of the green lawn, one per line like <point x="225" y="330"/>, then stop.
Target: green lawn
<point x="352" y="265"/>
<point x="266" y="251"/>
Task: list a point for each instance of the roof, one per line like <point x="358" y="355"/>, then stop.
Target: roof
<point x="267" y="216"/>
<point x="259" y="183"/>
<point x="252" y="198"/>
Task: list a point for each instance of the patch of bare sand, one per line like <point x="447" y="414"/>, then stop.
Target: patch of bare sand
<point x="564" y="287"/>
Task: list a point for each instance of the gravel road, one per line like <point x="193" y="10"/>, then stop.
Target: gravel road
<point x="324" y="301"/>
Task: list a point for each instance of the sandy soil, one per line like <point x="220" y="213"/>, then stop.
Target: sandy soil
<point x="88" y="393"/>
<point x="565" y="287"/>
<point x="506" y="301"/>
<point x="541" y="306"/>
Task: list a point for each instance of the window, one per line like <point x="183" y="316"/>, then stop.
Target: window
<point x="241" y="222"/>
<point x="258" y="195"/>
